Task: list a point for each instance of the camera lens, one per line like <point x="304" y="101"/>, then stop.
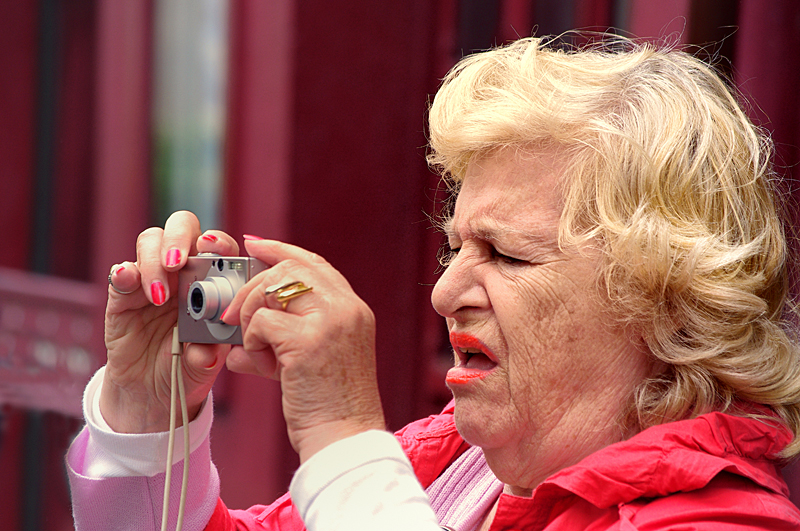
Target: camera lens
<point x="207" y="298"/>
<point x="197" y="300"/>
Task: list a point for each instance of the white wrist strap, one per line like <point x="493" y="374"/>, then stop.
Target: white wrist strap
<point x="176" y="381"/>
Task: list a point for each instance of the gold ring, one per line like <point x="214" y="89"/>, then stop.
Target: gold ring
<point x="286" y="292"/>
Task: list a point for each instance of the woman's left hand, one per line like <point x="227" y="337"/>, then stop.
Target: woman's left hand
<point x="321" y="346"/>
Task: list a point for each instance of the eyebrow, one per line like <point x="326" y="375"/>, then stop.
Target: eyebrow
<point x="489" y="229"/>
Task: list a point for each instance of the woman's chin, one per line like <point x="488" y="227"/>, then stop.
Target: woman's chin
<point x="475" y="422"/>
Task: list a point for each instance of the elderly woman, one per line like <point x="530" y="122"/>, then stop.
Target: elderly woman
<point x="616" y="296"/>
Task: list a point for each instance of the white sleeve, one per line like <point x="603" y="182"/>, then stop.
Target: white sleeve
<point x="110" y="454"/>
<point x="362" y="482"/>
<point x="118" y="480"/>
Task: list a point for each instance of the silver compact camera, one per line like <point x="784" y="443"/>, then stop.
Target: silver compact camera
<point x="206" y="286"/>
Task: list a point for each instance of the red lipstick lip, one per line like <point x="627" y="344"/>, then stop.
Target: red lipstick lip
<point x="462" y="340"/>
<point x="459" y="376"/>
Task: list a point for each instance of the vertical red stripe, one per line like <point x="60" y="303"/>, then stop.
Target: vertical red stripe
<point x="73" y="180"/>
<point x="121" y="163"/>
<point x="18" y="89"/>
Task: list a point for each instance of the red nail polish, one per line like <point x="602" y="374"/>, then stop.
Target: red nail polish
<point x="158" y="293"/>
<point x="222" y="317"/>
<point x="117" y="270"/>
<point x="210" y="238"/>
<point x="173" y="257"/>
<point x="251" y="237"/>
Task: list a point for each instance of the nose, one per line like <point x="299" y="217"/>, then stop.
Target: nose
<point x="460" y="287"/>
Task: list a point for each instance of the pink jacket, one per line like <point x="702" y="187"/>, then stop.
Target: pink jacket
<point x="714" y="472"/>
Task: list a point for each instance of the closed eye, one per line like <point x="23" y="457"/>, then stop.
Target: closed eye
<point x="498" y="256"/>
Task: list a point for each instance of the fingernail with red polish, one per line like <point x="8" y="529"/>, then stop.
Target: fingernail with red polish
<point x="210" y="238"/>
<point x="251" y="237"/>
<point x="173" y="257"/>
<point x="119" y="269"/>
<point x="222" y="317"/>
<point x="158" y="293"/>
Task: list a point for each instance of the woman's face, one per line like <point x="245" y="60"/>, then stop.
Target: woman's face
<point x="541" y="375"/>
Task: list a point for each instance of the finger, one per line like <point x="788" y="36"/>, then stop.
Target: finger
<point x="268" y="330"/>
<point x="250" y="289"/>
<point x="124" y="289"/>
<point x="256" y="300"/>
<point x="178" y="241"/>
<point x="272" y="252"/>
<point x="216" y="241"/>
<point x="254" y="296"/>
<point x="261" y="363"/>
<point x="154" y="278"/>
<point x="124" y="279"/>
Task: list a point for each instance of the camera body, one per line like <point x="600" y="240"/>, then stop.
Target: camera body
<point x="206" y="286"/>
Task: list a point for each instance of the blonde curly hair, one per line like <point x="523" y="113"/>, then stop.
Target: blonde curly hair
<point x="667" y="174"/>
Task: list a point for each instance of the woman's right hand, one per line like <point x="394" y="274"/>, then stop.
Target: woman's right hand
<point x="141" y="313"/>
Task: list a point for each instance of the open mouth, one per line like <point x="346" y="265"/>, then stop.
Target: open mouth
<point x="474" y="360"/>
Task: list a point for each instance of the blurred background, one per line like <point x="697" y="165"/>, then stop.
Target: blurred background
<point x="289" y="119"/>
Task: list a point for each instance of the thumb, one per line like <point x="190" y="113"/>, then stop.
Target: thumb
<point x="202" y="364"/>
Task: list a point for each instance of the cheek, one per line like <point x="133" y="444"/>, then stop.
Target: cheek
<point x="546" y="328"/>
<point x="539" y="313"/>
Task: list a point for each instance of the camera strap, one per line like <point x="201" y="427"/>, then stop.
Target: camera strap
<point x="176" y="382"/>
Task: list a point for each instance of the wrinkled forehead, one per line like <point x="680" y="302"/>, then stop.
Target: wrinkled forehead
<point x="509" y="191"/>
<point x="502" y="176"/>
<point x="519" y="166"/>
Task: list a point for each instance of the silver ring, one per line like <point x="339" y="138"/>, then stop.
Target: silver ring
<point x="111" y="283"/>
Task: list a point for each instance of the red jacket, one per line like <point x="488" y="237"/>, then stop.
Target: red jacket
<point x="714" y="472"/>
